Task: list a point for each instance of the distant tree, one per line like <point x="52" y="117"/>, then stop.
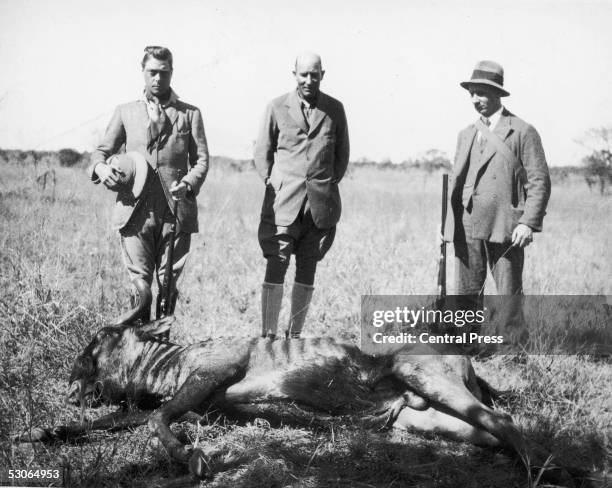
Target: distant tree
<point x="431" y="160"/>
<point x="598" y="168"/>
<point x="386" y="163"/>
<point x="69" y="157"/>
<point x="598" y="164"/>
<point x="363" y="162"/>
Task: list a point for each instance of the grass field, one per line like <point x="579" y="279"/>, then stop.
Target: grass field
<point x="62" y="279"/>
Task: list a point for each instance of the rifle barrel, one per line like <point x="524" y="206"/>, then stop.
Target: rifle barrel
<point x="167" y="282"/>
<point x="442" y="260"/>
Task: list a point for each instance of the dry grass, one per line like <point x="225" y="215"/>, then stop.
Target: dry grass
<point x="62" y="279"/>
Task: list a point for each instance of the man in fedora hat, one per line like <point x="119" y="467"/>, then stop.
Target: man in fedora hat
<point x="500" y="187"/>
<point x="167" y="135"/>
<point x="301" y="154"/>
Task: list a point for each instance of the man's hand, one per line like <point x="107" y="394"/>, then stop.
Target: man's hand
<point x="179" y="190"/>
<point x="522" y="235"/>
<point x="109" y="175"/>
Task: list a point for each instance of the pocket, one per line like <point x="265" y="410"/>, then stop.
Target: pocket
<point x="519" y="193"/>
<point x="183" y="128"/>
<point x="275" y="181"/>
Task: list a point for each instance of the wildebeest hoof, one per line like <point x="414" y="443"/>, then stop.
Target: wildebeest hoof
<point x="180" y="454"/>
<point x="200" y="464"/>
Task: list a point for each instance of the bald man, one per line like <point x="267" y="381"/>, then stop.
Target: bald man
<point x="301" y="154"/>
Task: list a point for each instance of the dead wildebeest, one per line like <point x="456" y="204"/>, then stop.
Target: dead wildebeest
<point x="295" y="381"/>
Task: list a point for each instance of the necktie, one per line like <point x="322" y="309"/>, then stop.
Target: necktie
<point x="481" y="139"/>
<point x="307" y="111"/>
<point x="157" y="119"/>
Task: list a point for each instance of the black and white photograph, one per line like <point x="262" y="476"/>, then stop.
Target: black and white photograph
<point x="306" y="245"/>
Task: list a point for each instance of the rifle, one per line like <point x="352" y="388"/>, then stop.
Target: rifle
<point x="164" y="301"/>
<point x="442" y="259"/>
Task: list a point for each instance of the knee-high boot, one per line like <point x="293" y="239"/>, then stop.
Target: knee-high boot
<point x="271" y="300"/>
<point x="300" y="301"/>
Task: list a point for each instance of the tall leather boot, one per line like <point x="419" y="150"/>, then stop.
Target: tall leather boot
<point x="271" y="300"/>
<point x="300" y="301"/>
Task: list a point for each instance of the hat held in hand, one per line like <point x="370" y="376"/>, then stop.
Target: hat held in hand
<point x="132" y="168"/>
<point x="487" y="73"/>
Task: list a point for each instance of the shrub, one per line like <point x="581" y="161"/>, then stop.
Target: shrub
<point x="69" y="157"/>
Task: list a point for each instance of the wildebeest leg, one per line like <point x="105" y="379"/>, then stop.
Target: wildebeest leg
<point x="194" y="392"/>
<point x="442" y="381"/>
<point x="112" y="421"/>
<point x="432" y="420"/>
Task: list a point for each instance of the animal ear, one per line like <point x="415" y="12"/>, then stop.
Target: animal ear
<point x="156" y="327"/>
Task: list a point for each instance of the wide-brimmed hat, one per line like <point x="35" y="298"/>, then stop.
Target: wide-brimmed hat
<point x="133" y="168"/>
<point x="487" y="73"/>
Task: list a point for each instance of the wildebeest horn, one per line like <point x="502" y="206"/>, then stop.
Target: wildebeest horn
<point x="157" y="326"/>
<point x="143" y="302"/>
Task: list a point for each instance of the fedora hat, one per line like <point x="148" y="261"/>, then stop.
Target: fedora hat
<point x="132" y="168"/>
<point x="487" y="73"/>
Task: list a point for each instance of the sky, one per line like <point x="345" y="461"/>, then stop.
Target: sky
<point x="395" y="64"/>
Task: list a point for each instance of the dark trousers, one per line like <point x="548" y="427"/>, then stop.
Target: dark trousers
<point x="472" y="258"/>
<point x="302" y="238"/>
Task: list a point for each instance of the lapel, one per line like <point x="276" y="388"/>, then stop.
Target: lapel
<point x="293" y="105"/>
<point x="319" y="113"/>
<point x="171" y="113"/>
<point x="142" y="114"/>
<point x="464" y="151"/>
<point x="502" y="130"/>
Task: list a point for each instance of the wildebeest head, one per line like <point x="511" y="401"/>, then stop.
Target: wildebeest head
<point x="111" y="351"/>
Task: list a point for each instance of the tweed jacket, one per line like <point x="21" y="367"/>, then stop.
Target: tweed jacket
<point x="184" y="156"/>
<point x="503" y="196"/>
<point x="299" y="161"/>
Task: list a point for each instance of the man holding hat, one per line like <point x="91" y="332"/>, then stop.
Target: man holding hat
<point x="500" y="187"/>
<point x="166" y="160"/>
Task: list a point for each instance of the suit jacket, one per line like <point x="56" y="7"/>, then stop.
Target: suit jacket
<point x="184" y="156"/>
<point x="503" y="196"/>
<point x="298" y="161"/>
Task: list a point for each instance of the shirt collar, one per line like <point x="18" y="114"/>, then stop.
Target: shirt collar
<point x="304" y="102"/>
<point x="494" y="118"/>
<point x="171" y="100"/>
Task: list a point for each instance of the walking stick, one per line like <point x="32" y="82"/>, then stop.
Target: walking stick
<point x="163" y="308"/>
<point x="442" y="260"/>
